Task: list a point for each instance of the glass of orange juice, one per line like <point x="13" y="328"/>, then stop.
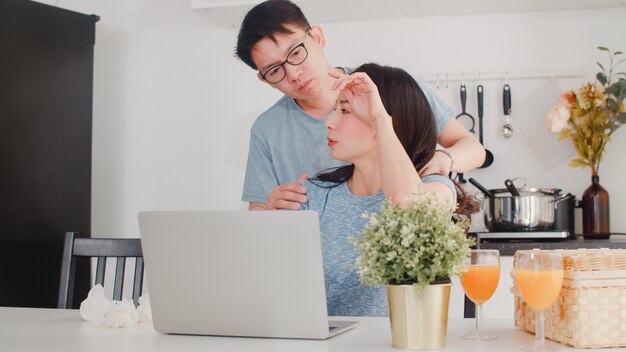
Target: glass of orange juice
<point x="539" y="277"/>
<point x="480" y="273"/>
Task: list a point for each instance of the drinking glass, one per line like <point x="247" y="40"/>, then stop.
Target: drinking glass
<point x="480" y="273"/>
<point x="539" y="277"/>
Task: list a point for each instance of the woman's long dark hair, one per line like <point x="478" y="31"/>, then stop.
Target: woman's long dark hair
<point x="413" y="122"/>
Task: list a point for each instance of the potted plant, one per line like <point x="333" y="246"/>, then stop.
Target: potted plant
<point x="414" y="251"/>
<point x="589" y="116"/>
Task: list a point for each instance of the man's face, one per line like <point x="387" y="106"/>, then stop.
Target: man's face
<point x="304" y="81"/>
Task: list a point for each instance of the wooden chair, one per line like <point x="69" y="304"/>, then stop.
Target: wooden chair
<point x="100" y="248"/>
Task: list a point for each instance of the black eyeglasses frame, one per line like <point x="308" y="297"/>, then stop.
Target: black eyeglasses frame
<point x="282" y="64"/>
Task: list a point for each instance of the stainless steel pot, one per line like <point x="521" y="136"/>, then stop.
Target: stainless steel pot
<point x="534" y="209"/>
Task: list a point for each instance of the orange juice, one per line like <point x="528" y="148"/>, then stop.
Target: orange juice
<point x="541" y="288"/>
<point x="480" y="281"/>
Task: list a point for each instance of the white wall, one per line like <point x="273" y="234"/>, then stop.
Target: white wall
<point x="173" y="107"/>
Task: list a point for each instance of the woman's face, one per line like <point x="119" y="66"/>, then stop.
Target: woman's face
<point x="349" y="137"/>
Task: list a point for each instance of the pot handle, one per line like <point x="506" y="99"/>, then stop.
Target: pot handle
<point x="561" y="198"/>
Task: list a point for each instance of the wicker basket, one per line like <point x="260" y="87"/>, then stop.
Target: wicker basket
<point x="591" y="309"/>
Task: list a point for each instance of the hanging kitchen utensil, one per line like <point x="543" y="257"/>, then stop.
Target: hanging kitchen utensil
<point x="507" y="128"/>
<point x="485" y="191"/>
<point x="457" y="176"/>
<point x="511" y="187"/>
<point x="464" y="118"/>
<point x="530" y="117"/>
<point x="488" y="155"/>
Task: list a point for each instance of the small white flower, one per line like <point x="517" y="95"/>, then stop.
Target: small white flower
<point x="408" y="240"/>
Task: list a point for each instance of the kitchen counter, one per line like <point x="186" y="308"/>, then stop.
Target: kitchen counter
<point x="60" y="330"/>
<point x="508" y="248"/>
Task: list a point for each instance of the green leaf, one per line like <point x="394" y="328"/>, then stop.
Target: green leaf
<point x="619" y="62"/>
<point x="601" y="78"/>
<point x="617" y="53"/>
<point x="621" y="91"/>
<point x="602" y="67"/>
<point x="613" y="129"/>
<point x="617" y="89"/>
<point x="612" y="104"/>
<point x="621" y="118"/>
<point x="603" y="48"/>
<point x="612" y="89"/>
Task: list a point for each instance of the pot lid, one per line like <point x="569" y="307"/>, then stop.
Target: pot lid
<point x="520" y="184"/>
<point x="528" y="191"/>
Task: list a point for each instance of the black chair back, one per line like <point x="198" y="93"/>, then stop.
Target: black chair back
<point x="100" y="248"/>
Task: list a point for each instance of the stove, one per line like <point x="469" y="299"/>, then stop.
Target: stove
<point x="523" y="235"/>
<point x="562" y="227"/>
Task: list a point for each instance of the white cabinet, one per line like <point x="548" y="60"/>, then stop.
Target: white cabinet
<point x="229" y="13"/>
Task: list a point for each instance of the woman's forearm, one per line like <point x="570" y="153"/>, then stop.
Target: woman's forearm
<point x="398" y="175"/>
<point x="468" y="154"/>
<point x="465" y="149"/>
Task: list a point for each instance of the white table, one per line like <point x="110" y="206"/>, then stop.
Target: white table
<point x="50" y="330"/>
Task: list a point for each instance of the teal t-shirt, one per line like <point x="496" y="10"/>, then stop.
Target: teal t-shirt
<point x="286" y="142"/>
<point x="340" y="214"/>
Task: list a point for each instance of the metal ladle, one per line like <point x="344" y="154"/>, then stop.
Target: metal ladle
<point x="507" y="128"/>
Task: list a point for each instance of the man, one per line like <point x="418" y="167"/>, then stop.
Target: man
<point x="288" y="141"/>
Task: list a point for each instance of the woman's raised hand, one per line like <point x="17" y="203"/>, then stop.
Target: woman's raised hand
<point x="362" y="95"/>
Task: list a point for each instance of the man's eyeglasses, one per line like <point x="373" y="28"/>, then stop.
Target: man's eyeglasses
<point x="295" y="57"/>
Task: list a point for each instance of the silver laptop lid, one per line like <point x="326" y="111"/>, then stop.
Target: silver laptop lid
<point x="235" y="273"/>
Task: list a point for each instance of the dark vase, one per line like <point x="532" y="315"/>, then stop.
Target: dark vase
<point x="595" y="205"/>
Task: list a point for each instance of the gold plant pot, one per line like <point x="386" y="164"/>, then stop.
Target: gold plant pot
<point x="419" y="321"/>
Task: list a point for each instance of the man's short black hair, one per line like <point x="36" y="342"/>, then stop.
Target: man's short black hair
<point x="264" y="21"/>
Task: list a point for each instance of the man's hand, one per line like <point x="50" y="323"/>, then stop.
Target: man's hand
<point x="288" y="196"/>
<point x="439" y="164"/>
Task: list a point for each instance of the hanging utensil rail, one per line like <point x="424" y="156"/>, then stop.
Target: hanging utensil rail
<point x="501" y="75"/>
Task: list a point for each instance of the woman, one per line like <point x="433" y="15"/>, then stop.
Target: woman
<point x="384" y="127"/>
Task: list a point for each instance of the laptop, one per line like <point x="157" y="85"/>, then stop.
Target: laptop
<point x="237" y="273"/>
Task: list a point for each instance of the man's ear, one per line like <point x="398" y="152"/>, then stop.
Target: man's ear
<point x="260" y="77"/>
<point x="318" y="34"/>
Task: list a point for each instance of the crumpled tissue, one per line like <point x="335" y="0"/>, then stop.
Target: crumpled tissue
<point x="114" y="314"/>
<point x="96" y="305"/>
<point x="123" y="315"/>
<point x="144" y="309"/>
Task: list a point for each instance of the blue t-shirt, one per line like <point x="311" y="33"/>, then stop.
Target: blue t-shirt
<point x="286" y="142"/>
<point x="340" y="214"/>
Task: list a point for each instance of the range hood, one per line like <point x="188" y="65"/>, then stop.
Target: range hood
<point x="230" y="13"/>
